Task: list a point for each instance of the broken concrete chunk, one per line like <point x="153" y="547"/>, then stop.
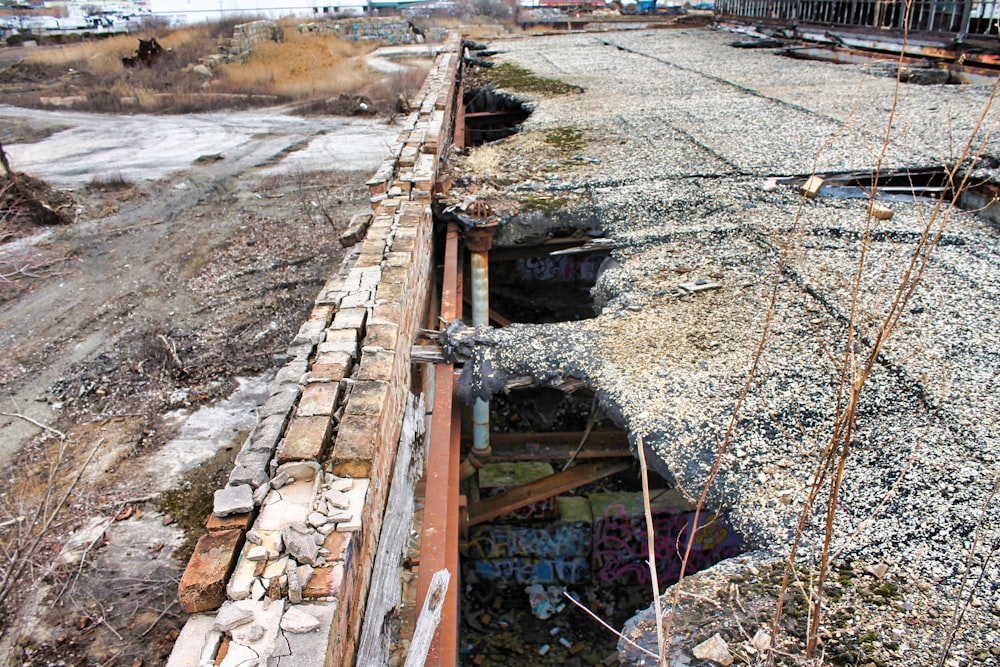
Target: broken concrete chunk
<point x="233" y="500"/>
<point x="298" y="621"/>
<point x="341" y="484"/>
<point x="299" y="543"/>
<point x="338" y="499"/>
<point x="714" y="649"/>
<point x="257" y="553"/>
<point x="230" y="616"/>
<point x="316" y="519"/>
<point x="305" y="573"/>
<point x="280" y="479"/>
<point x="294" y="586"/>
<point x="257" y="591"/>
<point x="254" y="538"/>
<point x="761" y="640"/>
<point x="299" y="470"/>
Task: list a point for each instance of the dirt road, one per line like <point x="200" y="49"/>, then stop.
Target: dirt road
<point x="193" y="269"/>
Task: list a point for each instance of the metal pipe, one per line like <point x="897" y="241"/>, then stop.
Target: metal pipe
<point x="479" y="242"/>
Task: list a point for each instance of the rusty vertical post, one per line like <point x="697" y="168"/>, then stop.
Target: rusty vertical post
<point x="439" y="540"/>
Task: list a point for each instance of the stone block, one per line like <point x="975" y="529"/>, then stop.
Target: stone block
<point x="386" y="313"/>
<point x="318" y="399"/>
<point x="268" y="432"/>
<point x="203" y="584"/>
<point x="390" y="292"/>
<point x="367" y="398"/>
<point x="244" y="475"/>
<point x="306" y="439"/>
<point x="355" y="445"/>
<point x="282" y="401"/>
<point x="376" y="364"/>
<point x="233" y="500"/>
<point x="350" y="318"/>
<point x="292" y="373"/>
<point x="344" y="336"/>
<point x="321" y="313"/>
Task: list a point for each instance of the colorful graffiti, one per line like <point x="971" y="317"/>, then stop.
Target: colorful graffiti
<point x="621" y="544"/>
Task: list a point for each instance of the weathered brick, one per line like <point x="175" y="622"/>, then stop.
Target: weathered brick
<point x="368" y="398"/>
<point x="306" y="439"/>
<point x="350" y="318"/>
<point x="391" y="292"/>
<point x="382" y="335"/>
<point x="331" y="367"/>
<point x="318" y="399"/>
<point x="325" y="582"/>
<point x="376" y="365"/>
<point x="337" y="544"/>
<point x="355" y="445"/>
<point x="321" y="313"/>
<point x="386" y="313"/>
<point x="203" y="584"/>
<point x="215" y="524"/>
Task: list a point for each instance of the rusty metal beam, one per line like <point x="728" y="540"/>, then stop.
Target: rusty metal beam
<point x="553" y="485"/>
<point x="439" y="540"/>
<point x="561" y="445"/>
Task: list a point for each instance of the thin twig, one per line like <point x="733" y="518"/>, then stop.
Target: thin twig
<point x="162" y="614"/>
<point x="601" y="621"/>
<point x="37" y="423"/>
<point x="651" y="549"/>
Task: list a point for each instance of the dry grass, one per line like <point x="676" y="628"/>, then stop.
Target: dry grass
<point x="305" y="68"/>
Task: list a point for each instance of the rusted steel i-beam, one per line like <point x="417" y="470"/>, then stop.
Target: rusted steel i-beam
<point x="439" y="541"/>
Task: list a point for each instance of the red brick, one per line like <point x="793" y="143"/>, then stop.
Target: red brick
<point x="306" y="439"/>
<point x="318" y="399"/>
<point x="337" y="544"/>
<point x="325" y="582"/>
<point x="203" y="585"/>
<point x="234" y="521"/>
<point x="330" y="367"/>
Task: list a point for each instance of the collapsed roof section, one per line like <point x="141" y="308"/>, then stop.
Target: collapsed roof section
<point x="731" y="311"/>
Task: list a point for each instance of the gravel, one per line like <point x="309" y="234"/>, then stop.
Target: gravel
<point x="686" y="130"/>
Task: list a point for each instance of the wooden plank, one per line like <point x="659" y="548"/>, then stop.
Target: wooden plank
<point x="542" y="446"/>
<point x="553" y="485"/>
<point x="385" y="594"/>
<point x="428" y="621"/>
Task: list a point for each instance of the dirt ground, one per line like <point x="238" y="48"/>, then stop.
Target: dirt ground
<point x="157" y="299"/>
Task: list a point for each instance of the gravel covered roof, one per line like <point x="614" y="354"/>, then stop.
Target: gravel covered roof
<point x="680" y="132"/>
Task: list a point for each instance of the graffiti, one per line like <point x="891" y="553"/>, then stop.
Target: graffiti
<point x="621" y="547"/>
<point x="613" y="547"/>
<point x="563" y="268"/>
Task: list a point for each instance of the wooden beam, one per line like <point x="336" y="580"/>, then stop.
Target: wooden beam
<point x="553" y="485"/>
<point x="561" y="445"/>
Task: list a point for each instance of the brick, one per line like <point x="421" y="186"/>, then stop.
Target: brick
<point x="368" y="398"/>
<point x="281" y="402"/>
<point x="391" y="292"/>
<point x="331" y="367"/>
<point x="355" y="445"/>
<point x="369" y="260"/>
<point x="377" y="365"/>
<point x="215" y="524"/>
<point x="337" y="544"/>
<point x="382" y="335"/>
<point x="318" y="399"/>
<point x="203" y="584"/>
<point x="306" y="439"/>
<point x="341" y="347"/>
<point x="325" y="582"/>
<point x="321" y="313"/>
<point x="386" y="313"/>
<point x="350" y="318"/>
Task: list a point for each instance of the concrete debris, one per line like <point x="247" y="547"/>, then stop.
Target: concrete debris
<point x="714" y="649"/>
<point x="297" y="621"/>
<point x="761" y="641"/>
<point x="233" y="500"/>
<point x="231" y="616"/>
<point x="300" y="544"/>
